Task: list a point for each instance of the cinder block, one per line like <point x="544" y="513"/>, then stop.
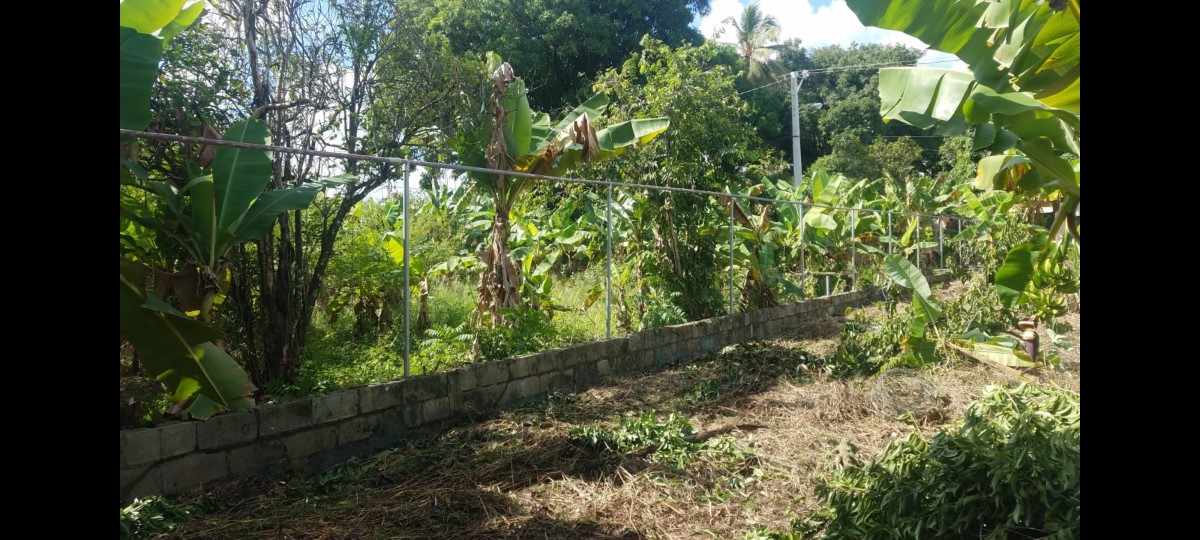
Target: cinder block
<point x="561" y="381"/>
<point x="311" y="441"/>
<point x="618" y="346"/>
<point x="277" y="419"/>
<point x="435" y="410"/>
<point x="178" y="438"/>
<point x="483" y="399"/>
<point x="431" y="386"/>
<point x="191" y="471"/>
<point x="490" y="373"/>
<point x="139" y="482"/>
<point x="586" y="374"/>
<point x="521" y="366"/>
<point x="376" y="397"/>
<point x="229" y="429"/>
<point x="545" y="363"/>
<point x="515" y="391"/>
<point x="357" y="429"/>
<point x="140" y="446"/>
<point x="336" y="406"/>
<point x="262" y="457"/>
<point x="466" y="378"/>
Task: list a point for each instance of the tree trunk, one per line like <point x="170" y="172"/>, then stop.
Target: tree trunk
<point x="500" y="282"/>
<point x="423" y="322"/>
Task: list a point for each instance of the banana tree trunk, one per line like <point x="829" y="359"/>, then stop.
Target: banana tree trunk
<point x="423" y="322"/>
<point x="500" y="282"/>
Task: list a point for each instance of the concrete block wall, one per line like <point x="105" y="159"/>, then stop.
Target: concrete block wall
<point x="314" y="433"/>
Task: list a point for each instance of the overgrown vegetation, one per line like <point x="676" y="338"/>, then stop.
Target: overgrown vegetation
<point x="1009" y="470"/>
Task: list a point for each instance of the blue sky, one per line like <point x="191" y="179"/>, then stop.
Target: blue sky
<point x="816" y="23"/>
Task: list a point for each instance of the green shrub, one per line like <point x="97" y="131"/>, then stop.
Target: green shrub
<point x="661" y="311"/>
<point x="978" y="307"/>
<point x="868" y="344"/>
<point x="530" y="331"/>
<point x="1010" y="470"/>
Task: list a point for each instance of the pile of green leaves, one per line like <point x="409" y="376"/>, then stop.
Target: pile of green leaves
<point x="978" y="307"/>
<point x="155" y="515"/>
<point x="866" y="345"/>
<point x="1011" y="469"/>
<point x="667" y="440"/>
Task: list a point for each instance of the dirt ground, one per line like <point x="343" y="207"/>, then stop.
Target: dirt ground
<point x="516" y="475"/>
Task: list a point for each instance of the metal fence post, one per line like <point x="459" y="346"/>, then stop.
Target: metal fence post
<point x="941" y="246"/>
<point x="608" y="266"/>
<point x="731" y="203"/>
<point x="918" y="241"/>
<point x="407" y="273"/>
<point x="853" y="248"/>
<point x="803" y="251"/>
<point x="958" y="241"/>
<point x="889" y="233"/>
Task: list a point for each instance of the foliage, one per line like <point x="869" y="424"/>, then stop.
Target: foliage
<point x="559" y="43"/>
<point x="866" y="345"/>
<point x="661" y="312"/>
<point x="709" y="145"/>
<point x="755" y="33"/>
<point x="509" y="136"/>
<point x="1022" y="92"/>
<point x="921" y="348"/>
<point x="179" y="351"/>
<point x="896" y="159"/>
<point x="667" y="440"/>
<point x="530" y="331"/>
<point x="1010" y="470"/>
<point x="152" y="516"/>
<point x="977" y="307"/>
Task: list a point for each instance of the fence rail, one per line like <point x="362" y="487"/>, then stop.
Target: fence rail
<point x="407" y="164"/>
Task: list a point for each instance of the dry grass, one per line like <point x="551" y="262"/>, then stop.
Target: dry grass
<point x="518" y="476"/>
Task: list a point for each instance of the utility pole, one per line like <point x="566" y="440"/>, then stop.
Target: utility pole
<point x="797" y="168"/>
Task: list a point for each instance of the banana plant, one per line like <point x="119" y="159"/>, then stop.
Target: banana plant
<point x="761" y="253"/>
<point x="224" y="206"/>
<point x="1021" y="94"/>
<point x="920" y="346"/>
<point x="1037" y="283"/>
<point x="180" y="351"/>
<point x="511" y="137"/>
<point x="146" y="27"/>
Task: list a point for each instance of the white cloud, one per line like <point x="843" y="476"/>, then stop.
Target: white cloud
<point x="831" y="24"/>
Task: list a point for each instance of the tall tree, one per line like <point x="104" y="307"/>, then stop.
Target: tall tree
<point x="756" y="35"/>
<point x="362" y="76"/>
<point x="509" y="136"/>
<point x="560" y="44"/>
<point x="711" y="145"/>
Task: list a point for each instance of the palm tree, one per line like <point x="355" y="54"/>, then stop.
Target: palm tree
<point x="755" y="34"/>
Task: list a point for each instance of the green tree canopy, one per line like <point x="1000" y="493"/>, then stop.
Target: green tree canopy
<point x="561" y="44"/>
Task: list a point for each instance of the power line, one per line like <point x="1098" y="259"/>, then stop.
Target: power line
<point x="467" y="168"/>
<point x="777" y="81"/>
<point x="897" y="63"/>
<point x="832" y="69"/>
